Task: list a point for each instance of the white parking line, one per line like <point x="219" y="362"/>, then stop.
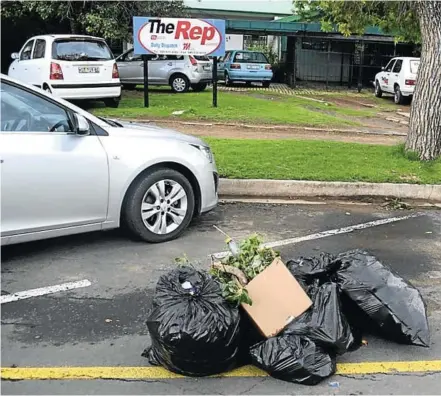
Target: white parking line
<point x="43" y="291"/>
<point x="325" y="234"/>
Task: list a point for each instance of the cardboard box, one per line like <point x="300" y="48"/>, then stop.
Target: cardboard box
<point x="277" y="299"/>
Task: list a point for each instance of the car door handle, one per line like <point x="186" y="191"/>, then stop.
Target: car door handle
<point x="170" y="64"/>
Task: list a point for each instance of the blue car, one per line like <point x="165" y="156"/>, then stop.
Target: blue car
<point x="245" y="66"/>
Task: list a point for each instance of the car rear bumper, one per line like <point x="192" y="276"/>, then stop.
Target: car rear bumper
<point x="250" y="76"/>
<point x="407" y="91"/>
<point x="87" y="91"/>
<point x="196" y="78"/>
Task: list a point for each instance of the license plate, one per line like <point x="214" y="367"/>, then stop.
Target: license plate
<point x="253" y="67"/>
<point x="207" y="68"/>
<point x="88" y="69"/>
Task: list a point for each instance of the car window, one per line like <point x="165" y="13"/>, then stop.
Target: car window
<point x="74" y="49"/>
<point x="27" y="51"/>
<point x="131" y="57"/>
<point x="227" y="56"/>
<point x="414" y="65"/>
<point x="250" y="57"/>
<point x="202" y="58"/>
<point x="39" y="49"/>
<point x="388" y="67"/>
<point x="24" y="111"/>
<point x="398" y="66"/>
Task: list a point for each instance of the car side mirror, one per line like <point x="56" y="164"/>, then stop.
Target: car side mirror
<point x="14" y="55"/>
<point x="82" y="125"/>
<point x="383" y="68"/>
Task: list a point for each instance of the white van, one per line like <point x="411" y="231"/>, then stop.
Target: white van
<point x="69" y="66"/>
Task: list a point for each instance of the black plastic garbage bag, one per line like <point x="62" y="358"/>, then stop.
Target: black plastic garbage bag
<point x="324" y="322"/>
<point x="307" y="269"/>
<point x="293" y="358"/>
<point x="396" y="309"/>
<point x="194" y="331"/>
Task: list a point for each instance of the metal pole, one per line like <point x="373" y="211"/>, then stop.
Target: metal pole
<point x="215" y="81"/>
<point x="294" y="58"/>
<point x="360" y="67"/>
<point x="327" y="64"/>
<point x="145" y="60"/>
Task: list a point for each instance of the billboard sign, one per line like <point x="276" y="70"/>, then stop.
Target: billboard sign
<point x="178" y="36"/>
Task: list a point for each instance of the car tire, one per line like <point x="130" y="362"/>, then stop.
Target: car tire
<point x="398" y="96"/>
<point x="228" y="82"/>
<point x="378" y="90"/>
<point x="112" y="102"/>
<point x="179" y="83"/>
<point x="199" y="87"/>
<point x="129" y="87"/>
<point x="266" y="84"/>
<point x="141" y="223"/>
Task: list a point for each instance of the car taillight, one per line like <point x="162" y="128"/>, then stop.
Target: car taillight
<point x="56" y="73"/>
<point x="193" y="61"/>
<point x="235" y="66"/>
<point x="267" y="67"/>
<point x="409" y="82"/>
<point x="115" y="72"/>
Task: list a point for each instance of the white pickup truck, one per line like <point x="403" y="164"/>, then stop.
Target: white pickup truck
<point x="397" y="78"/>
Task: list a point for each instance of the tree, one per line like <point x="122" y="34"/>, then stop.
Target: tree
<point x="412" y="21"/>
<point x="108" y="19"/>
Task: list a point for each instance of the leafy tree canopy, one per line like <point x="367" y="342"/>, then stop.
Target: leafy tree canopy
<point x="109" y="19"/>
<point x="398" y="18"/>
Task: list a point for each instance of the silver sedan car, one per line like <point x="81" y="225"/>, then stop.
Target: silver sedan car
<point x="181" y="72"/>
<point x="65" y="171"/>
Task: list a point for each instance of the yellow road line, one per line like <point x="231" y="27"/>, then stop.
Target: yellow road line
<point x="90" y="373"/>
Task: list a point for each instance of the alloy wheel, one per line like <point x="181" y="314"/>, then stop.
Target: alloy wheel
<point x="164" y="207"/>
<point x="179" y="84"/>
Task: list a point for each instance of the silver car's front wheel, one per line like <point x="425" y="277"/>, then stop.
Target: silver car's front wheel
<point x="159" y="206"/>
<point x="164" y="207"/>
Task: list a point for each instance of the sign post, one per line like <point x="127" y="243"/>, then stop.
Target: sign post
<point x="145" y="61"/>
<point x="179" y="36"/>
<point x="215" y="81"/>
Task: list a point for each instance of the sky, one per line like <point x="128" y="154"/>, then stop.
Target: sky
<point x="272" y="6"/>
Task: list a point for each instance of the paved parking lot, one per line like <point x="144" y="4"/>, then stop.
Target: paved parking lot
<point x="103" y="325"/>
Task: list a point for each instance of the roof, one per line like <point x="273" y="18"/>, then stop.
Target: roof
<point x="235" y="11"/>
<point x="61" y="36"/>
<point x="281" y="28"/>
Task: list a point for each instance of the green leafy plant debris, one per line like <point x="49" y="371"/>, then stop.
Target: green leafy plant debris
<point x="251" y="260"/>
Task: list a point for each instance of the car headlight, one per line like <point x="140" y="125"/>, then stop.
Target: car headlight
<point x="206" y="151"/>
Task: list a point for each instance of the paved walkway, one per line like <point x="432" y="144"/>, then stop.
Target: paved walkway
<point x="284" y="89"/>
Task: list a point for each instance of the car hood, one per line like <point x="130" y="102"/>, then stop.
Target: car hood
<point x="134" y="129"/>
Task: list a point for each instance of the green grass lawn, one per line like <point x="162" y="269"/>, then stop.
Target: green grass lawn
<point x="320" y="160"/>
<point x="233" y="107"/>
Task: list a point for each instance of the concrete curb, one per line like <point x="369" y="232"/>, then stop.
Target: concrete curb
<point x="297" y="189"/>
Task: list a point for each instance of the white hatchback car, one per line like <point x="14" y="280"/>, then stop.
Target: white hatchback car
<point x="397" y="78"/>
<point x="69" y="66"/>
<point x="65" y="171"/>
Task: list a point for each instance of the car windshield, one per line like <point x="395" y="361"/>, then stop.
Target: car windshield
<point x="250" y="57"/>
<point x="414" y="64"/>
<point x="80" y="49"/>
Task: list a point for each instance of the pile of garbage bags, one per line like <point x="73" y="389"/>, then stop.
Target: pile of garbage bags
<point x="195" y="332"/>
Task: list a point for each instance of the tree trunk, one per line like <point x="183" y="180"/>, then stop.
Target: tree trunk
<point x="424" y="135"/>
<point x="74" y="27"/>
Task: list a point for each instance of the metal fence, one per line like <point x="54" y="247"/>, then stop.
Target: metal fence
<point x="340" y="62"/>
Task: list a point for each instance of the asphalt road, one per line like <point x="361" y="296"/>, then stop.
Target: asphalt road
<point x="104" y="324"/>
